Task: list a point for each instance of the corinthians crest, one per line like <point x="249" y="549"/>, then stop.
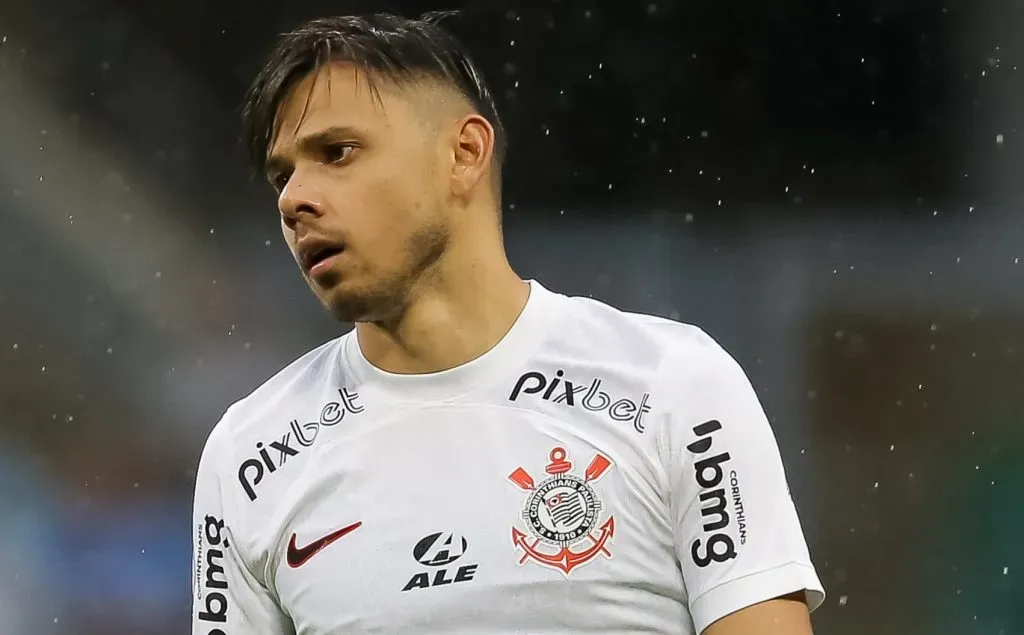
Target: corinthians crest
<point x="562" y="511"/>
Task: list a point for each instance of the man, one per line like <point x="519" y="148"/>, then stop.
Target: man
<point x="481" y="454"/>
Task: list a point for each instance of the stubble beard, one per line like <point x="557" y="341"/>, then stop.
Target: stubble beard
<point x="386" y="296"/>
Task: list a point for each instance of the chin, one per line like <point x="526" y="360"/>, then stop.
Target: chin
<point x="359" y="297"/>
<point x="348" y="303"/>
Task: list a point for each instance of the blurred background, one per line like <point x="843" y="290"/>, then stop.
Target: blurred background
<point x="830" y="188"/>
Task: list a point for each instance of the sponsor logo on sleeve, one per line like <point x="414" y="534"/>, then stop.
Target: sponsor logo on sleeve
<point x="718" y="537"/>
<point x="211" y="579"/>
<point x="588" y="396"/>
<point x="297" y="436"/>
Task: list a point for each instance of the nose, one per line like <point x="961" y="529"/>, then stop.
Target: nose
<point x="299" y="200"/>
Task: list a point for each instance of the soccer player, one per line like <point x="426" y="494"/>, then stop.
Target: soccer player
<point x="480" y="454"/>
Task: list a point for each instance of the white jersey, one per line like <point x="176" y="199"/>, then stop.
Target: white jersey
<point x="595" y="472"/>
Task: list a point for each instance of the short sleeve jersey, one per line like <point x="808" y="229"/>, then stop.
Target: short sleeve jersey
<point x="596" y="471"/>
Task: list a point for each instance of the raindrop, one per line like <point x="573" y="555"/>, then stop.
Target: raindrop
<point x="703" y="134"/>
<point x="876" y="484"/>
<point x="211" y="230"/>
<point x="892" y="447"/>
<point x="935" y="327"/>
<point x="999" y="139"/>
<point x="843" y="598"/>
<point x="266" y="244"/>
<point x="43" y="369"/>
<point x="143" y="551"/>
<point x="158" y="274"/>
<point x="15" y="347"/>
<point x="688" y="218"/>
<point x="110" y="350"/>
<point x="1006" y="570"/>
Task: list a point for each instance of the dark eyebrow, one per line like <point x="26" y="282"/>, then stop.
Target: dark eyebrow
<point x="277" y="163"/>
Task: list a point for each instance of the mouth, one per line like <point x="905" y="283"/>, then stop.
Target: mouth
<point x="315" y="258"/>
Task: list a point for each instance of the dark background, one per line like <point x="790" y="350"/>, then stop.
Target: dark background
<point x="829" y="188"/>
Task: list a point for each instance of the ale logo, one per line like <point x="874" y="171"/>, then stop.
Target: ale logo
<point x="438" y="551"/>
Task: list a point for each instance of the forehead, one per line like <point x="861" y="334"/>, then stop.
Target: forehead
<point x="339" y="95"/>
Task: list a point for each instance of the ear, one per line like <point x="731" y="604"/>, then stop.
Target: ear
<point x="473" y="152"/>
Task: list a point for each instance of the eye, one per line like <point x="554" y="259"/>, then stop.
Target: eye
<point x="279" y="180"/>
<point x="337" y="152"/>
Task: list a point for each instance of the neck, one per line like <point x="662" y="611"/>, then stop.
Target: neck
<point x="456" y="313"/>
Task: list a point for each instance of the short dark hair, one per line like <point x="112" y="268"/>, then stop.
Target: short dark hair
<point x="382" y="45"/>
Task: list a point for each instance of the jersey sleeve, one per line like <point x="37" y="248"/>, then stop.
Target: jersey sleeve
<point x="737" y="535"/>
<point x="226" y="597"/>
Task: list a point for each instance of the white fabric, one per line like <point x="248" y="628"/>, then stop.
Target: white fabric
<point x="595" y="472"/>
